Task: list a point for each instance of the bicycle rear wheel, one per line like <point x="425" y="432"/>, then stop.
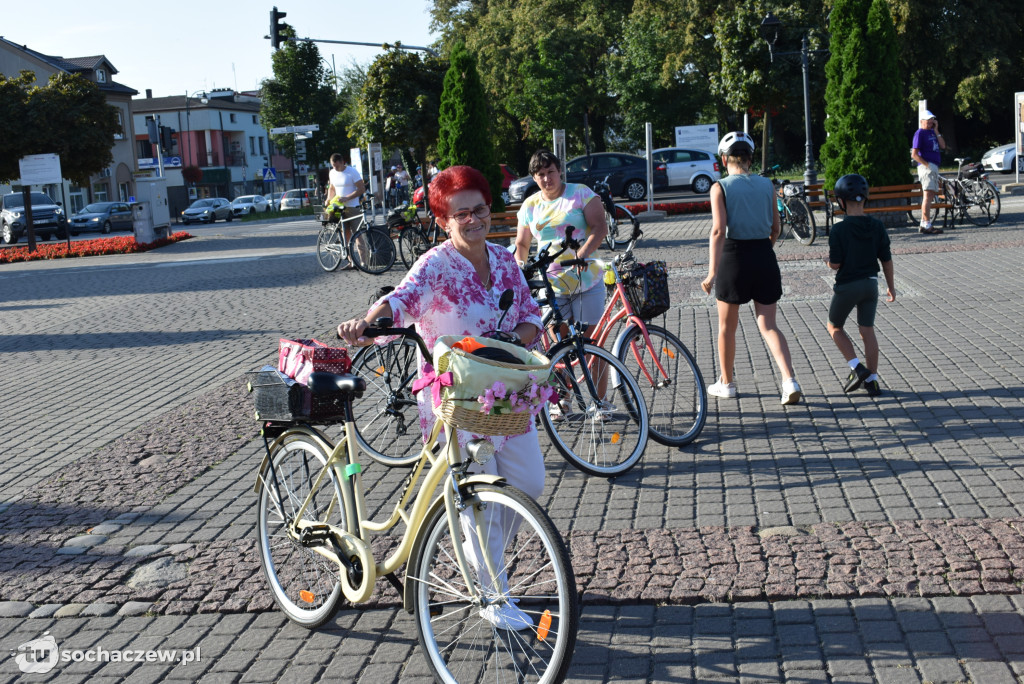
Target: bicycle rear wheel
<point x="412" y="244"/>
<point x="982" y="203"/>
<point x="601" y="435"/>
<point x="677" y="403"/>
<point x="523" y="628"/>
<point x="801" y="221"/>
<point x="329" y="249"/>
<point x="303" y="583"/>
<point x="620" y="227"/>
<point x="387" y="418"/>
<point x="372" y="250"/>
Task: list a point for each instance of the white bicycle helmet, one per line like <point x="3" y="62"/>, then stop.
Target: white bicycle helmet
<point x="734" y="142"/>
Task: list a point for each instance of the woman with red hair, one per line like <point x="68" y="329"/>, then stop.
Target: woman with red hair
<point x="454" y="289"/>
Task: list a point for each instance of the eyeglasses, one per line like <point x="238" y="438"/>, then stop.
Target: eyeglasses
<point x="481" y="211"/>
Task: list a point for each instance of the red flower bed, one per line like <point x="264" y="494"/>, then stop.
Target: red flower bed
<point x="672" y="208"/>
<point x="115" y="245"/>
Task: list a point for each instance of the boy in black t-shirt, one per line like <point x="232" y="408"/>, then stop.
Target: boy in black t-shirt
<point x="855" y="247"/>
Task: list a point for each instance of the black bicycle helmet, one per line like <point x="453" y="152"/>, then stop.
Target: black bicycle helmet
<point x="735" y="142"/>
<point x="852" y="186"/>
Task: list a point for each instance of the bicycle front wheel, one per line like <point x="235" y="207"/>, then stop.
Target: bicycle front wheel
<point x="982" y="203"/>
<point x="412" y="244"/>
<point x="523" y="626"/>
<point x="387" y="418"/>
<point x="801" y="220"/>
<point x="669" y="379"/>
<point x="303" y="583"/>
<point x="600" y="422"/>
<point x="329" y="249"/>
<point x="372" y="251"/>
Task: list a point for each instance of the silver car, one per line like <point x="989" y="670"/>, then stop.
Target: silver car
<point x="697" y="169"/>
<point x="207" y="211"/>
<point x="296" y="199"/>
<point x="1002" y="159"/>
<point x="249" y="204"/>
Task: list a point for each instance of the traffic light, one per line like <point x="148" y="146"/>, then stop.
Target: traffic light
<point x="166" y="141"/>
<point x="277" y="28"/>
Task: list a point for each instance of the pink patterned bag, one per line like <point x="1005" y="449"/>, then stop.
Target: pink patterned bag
<point x="300" y="358"/>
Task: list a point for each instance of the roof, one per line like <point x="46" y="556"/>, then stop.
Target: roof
<point x="76" y="65"/>
<point x="142" y="105"/>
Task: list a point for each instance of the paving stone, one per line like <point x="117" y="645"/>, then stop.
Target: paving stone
<point x="70" y="610"/>
<point x="15" y="608"/>
<point x="144" y="550"/>
<point x="133" y="608"/>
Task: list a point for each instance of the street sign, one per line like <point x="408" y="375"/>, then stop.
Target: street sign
<point x="39" y="169"/>
<point x="269" y="173"/>
<point x="281" y="130"/>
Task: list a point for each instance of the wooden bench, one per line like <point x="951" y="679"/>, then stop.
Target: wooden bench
<point x="503" y="225"/>
<point x="821" y="199"/>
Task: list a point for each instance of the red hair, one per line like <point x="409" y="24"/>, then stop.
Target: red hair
<point x="453" y="180"/>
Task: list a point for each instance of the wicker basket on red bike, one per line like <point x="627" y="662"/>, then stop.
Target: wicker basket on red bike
<point x="486" y="386"/>
<point x="647" y="289"/>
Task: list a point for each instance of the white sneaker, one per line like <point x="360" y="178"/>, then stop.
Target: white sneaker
<point x="790" y="392"/>
<point x="555" y="413"/>
<point x="506" y="616"/>
<point x="605" y="411"/>
<point x="722" y="390"/>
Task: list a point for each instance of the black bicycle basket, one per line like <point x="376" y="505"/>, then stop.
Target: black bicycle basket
<point x="647" y="289"/>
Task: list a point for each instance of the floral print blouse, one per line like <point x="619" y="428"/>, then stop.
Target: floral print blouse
<point x="443" y="295"/>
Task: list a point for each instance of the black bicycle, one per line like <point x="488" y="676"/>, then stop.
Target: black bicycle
<point x="971" y="196"/>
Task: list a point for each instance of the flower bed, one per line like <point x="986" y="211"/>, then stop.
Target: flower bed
<point x="115" y="245"/>
<point x="673" y="208"/>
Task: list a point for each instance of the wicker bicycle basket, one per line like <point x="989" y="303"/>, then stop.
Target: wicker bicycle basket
<point x="472" y="374"/>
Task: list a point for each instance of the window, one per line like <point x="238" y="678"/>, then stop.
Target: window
<point x="255" y="119"/>
<point x="120" y="126"/>
<point x="123" y="192"/>
<point x="76" y="198"/>
<point x="607" y="162"/>
<point x="252" y="144"/>
<point x="231" y="117"/>
<point x="261" y="145"/>
<point x="99" y="192"/>
<point x="101" y="76"/>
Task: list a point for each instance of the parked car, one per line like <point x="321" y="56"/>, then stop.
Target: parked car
<point x="102" y="216"/>
<point x="694" y="168"/>
<point x="296" y="199"/>
<point x="273" y="200"/>
<point x="249" y="204"/>
<point x="627" y="175"/>
<point x="207" y="211"/>
<point x="1002" y="158"/>
<point x="508" y="174"/>
<point x="47" y="217"/>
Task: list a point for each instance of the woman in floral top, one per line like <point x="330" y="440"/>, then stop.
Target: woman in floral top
<point x="454" y="289"/>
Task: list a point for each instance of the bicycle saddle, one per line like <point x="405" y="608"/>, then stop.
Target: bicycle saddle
<point x="327" y="383"/>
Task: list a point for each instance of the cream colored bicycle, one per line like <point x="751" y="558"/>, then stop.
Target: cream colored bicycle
<point x="487" y="608"/>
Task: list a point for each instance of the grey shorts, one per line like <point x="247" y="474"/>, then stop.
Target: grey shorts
<point x="585" y="307"/>
<point x="862" y="294"/>
<point x="929" y="176"/>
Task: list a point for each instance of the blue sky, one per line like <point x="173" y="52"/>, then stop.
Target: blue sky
<point x="183" y="46"/>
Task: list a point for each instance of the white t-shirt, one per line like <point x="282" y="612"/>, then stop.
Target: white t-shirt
<point x="344" y="183"/>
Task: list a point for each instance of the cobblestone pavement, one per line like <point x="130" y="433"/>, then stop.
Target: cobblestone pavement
<point x="843" y="539"/>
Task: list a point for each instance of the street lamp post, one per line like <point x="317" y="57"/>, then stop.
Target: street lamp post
<point x="769" y="29"/>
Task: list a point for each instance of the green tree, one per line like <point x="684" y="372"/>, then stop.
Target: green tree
<point x="864" y="104"/>
<point x="398" y="106"/>
<point x="302" y="93"/>
<point x="69" y="117"/>
<point x="464" y="131"/>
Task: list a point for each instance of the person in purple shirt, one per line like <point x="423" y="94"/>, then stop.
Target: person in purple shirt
<point x="926" y="151"/>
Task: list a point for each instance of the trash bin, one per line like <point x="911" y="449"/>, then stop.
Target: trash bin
<point x="142" y="222"/>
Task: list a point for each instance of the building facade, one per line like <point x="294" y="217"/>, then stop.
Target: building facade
<point x="219" y="147"/>
<point x="116" y="182"/>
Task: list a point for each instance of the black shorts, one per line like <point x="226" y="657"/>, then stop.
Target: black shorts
<point x="748" y="270"/>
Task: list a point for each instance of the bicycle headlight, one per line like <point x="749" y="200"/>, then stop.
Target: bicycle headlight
<point x="480" y="450"/>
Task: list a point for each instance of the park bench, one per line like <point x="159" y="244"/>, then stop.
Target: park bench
<point x="897" y="198"/>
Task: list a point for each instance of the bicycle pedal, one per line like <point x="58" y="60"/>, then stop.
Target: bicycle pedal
<point x="316" y="533"/>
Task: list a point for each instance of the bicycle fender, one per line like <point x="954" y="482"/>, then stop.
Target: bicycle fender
<point x="622" y="338"/>
<point x="305" y="431"/>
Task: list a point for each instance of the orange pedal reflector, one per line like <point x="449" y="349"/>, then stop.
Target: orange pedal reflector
<point x="307" y="596"/>
<point x="616" y="437"/>
<point x="669" y="353"/>
<point x="544" y="626"/>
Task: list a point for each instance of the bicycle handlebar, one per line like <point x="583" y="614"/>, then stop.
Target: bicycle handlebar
<point x="544" y="259"/>
<point x="384" y="327"/>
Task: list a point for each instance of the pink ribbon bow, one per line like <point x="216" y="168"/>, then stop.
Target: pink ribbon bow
<point x="435" y="381"/>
